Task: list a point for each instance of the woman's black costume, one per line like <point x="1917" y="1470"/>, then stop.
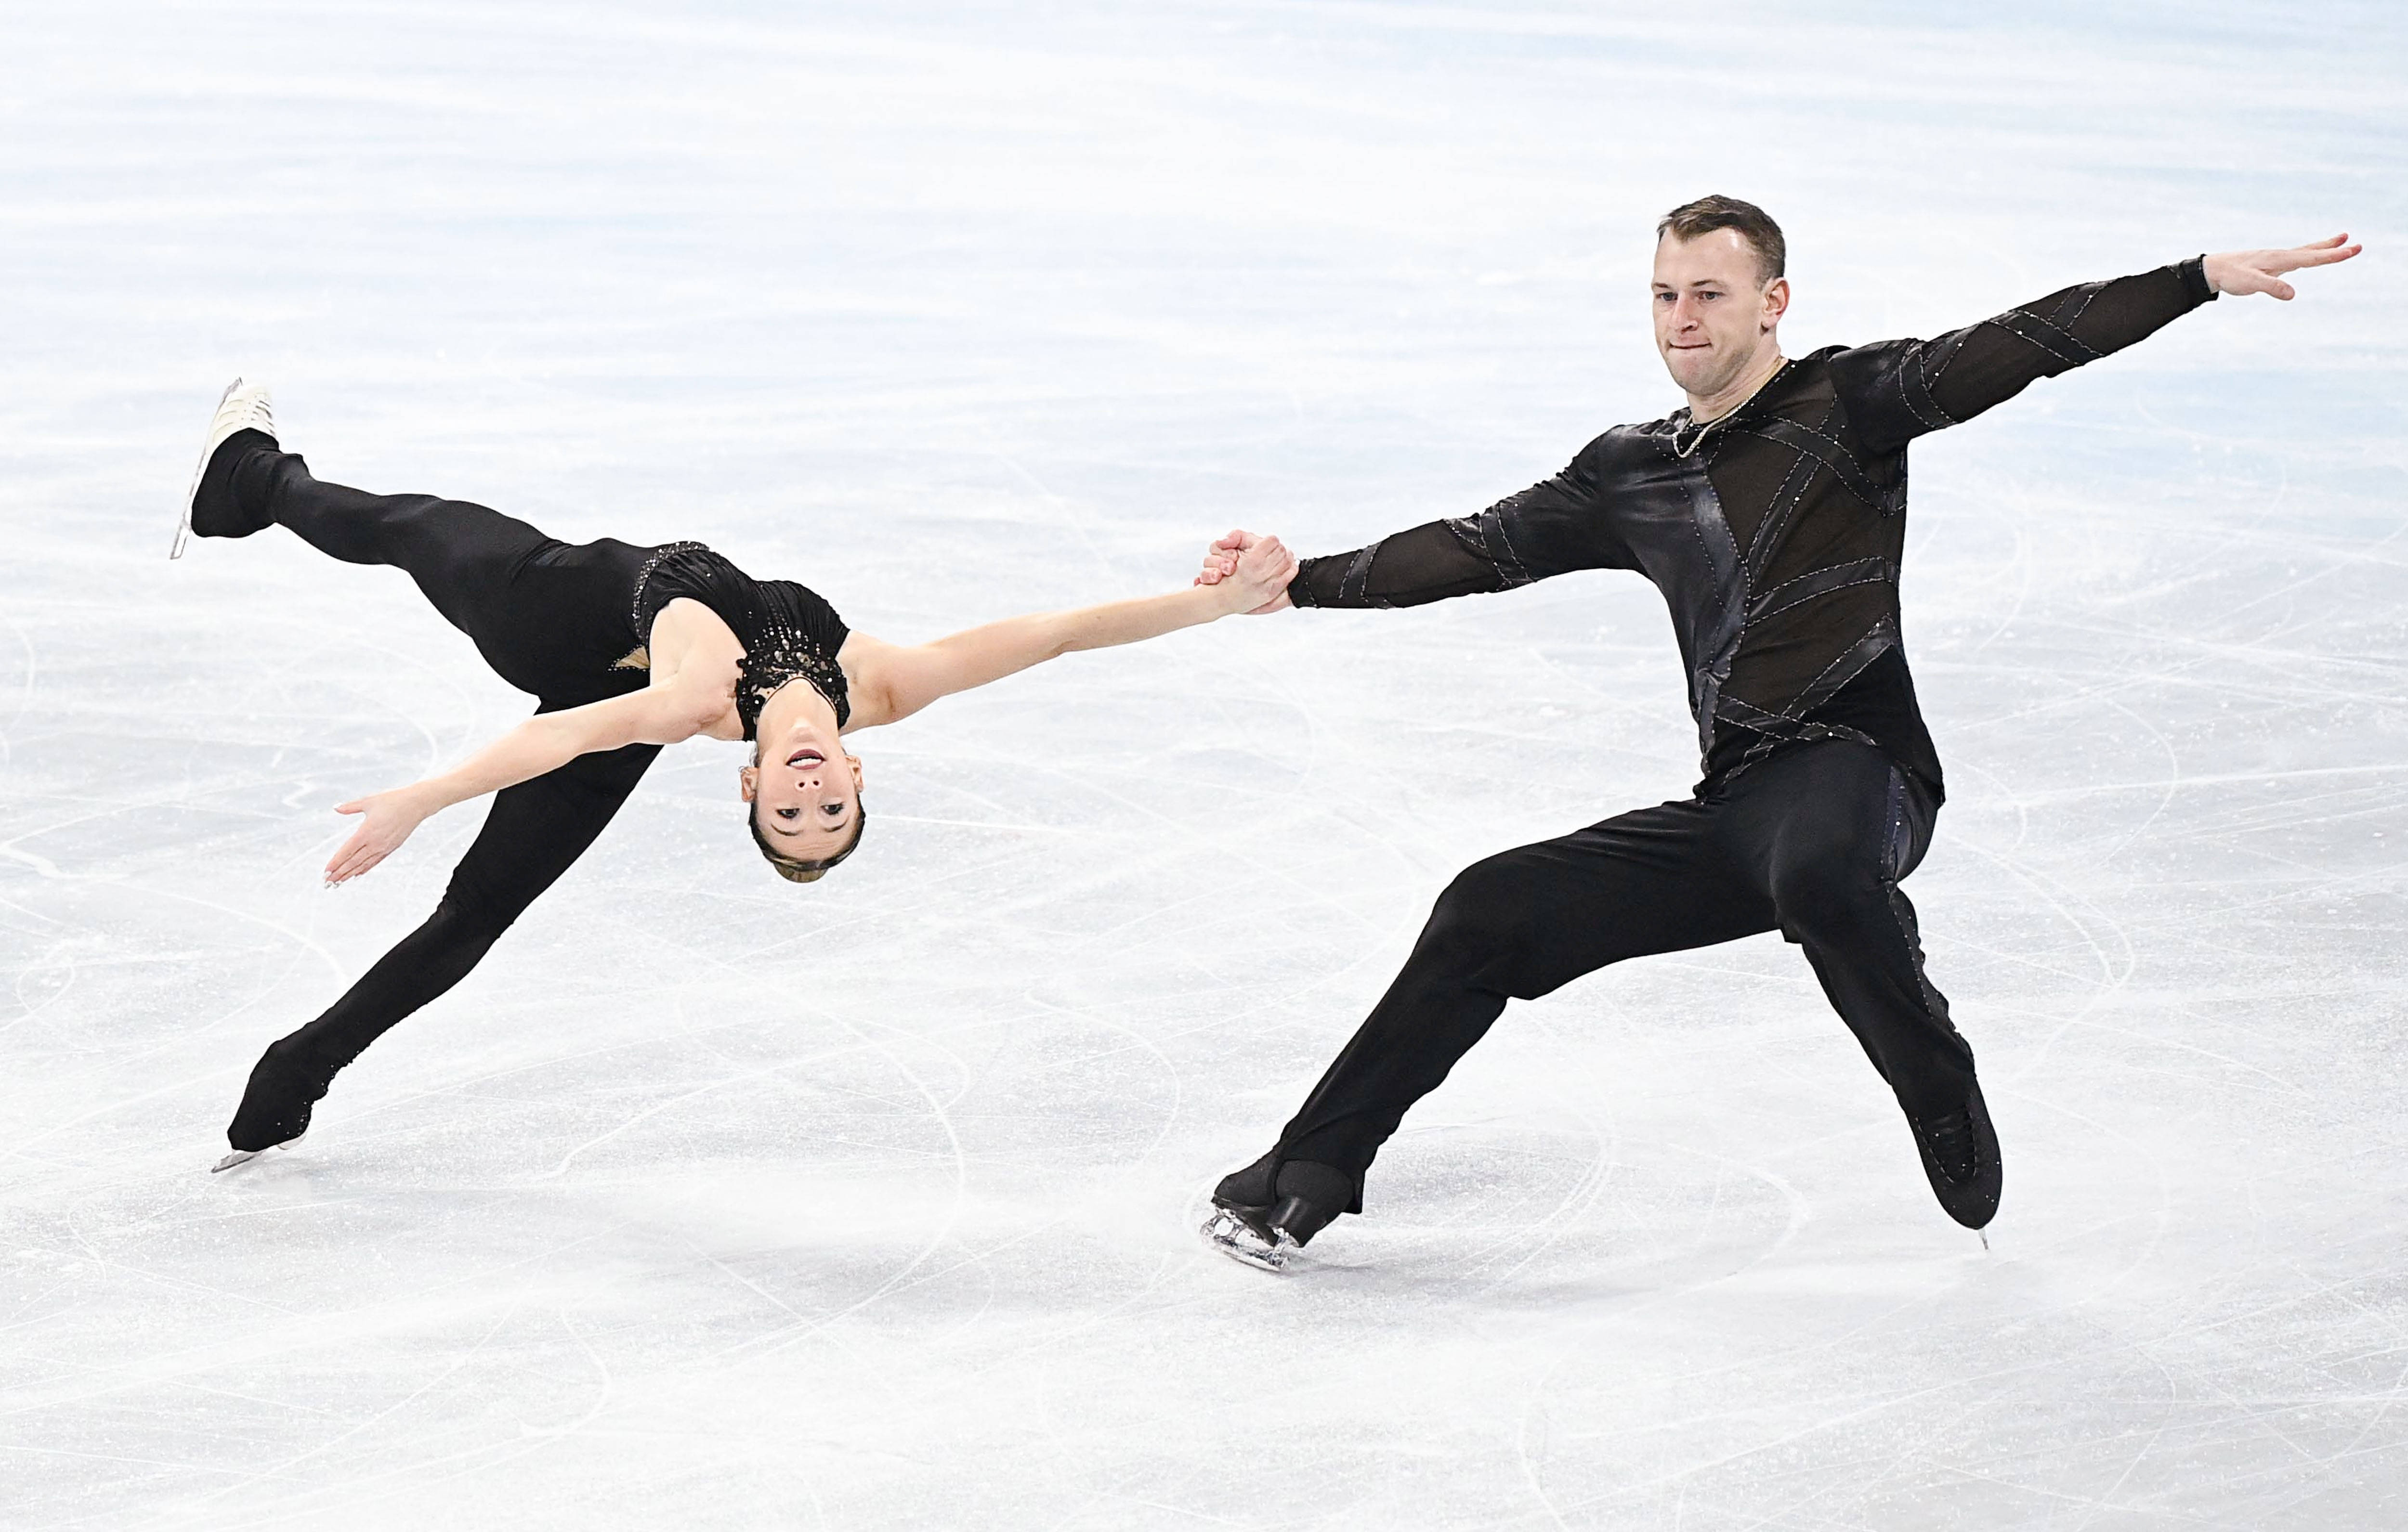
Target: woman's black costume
<point x="563" y="622"/>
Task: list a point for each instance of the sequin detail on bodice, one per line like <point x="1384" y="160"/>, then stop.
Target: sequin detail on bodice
<point x="787" y="630"/>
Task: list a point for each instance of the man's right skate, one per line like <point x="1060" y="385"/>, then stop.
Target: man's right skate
<point x="1267" y="1212"/>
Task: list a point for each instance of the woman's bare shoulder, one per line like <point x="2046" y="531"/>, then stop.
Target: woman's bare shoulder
<point x="869" y="666"/>
<point x="696" y="661"/>
<point x="685" y="624"/>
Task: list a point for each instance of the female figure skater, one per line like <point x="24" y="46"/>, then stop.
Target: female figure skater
<point x="626" y="648"/>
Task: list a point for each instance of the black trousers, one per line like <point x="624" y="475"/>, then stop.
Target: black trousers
<point x="549" y="618"/>
<point x="1812" y="842"/>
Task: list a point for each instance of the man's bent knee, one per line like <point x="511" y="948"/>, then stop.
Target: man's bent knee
<point x="1834" y="898"/>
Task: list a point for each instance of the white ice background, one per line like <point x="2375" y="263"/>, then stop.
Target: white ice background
<point x="712" y="1202"/>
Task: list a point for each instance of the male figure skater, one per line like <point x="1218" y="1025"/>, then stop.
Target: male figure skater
<point x="1770" y="511"/>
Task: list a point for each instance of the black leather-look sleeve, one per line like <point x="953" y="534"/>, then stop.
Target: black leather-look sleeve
<point x="1555" y="525"/>
<point x="1429" y="562"/>
<point x="1897" y="390"/>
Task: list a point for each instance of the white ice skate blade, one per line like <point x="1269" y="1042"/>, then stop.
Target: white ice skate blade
<point x="244" y="1157"/>
<point x="176" y="551"/>
<point x="1231" y="1236"/>
<point x="251" y="413"/>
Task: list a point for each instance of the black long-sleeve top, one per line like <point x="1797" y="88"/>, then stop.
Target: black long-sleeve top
<point x="1774" y="532"/>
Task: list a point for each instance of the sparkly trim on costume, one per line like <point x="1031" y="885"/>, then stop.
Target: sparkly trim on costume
<point x="788" y="632"/>
<point x="788" y="657"/>
<point x="644" y="577"/>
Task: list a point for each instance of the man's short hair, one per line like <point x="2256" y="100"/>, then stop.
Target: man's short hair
<point x="1754" y="224"/>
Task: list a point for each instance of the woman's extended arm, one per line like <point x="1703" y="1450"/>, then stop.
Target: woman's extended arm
<point x="894" y="681"/>
<point x="659" y="715"/>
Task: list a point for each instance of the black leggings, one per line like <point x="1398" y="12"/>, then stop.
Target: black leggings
<point x="1812" y="842"/>
<point x="550" y="619"/>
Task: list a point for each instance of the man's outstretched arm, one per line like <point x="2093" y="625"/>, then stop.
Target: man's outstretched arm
<point x="1550" y="528"/>
<point x="1408" y="568"/>
<point x="1897" y="390"/>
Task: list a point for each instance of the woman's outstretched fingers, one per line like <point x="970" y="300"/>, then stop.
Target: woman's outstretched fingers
<point x="335" y="864"/>
<point x="351" y="861"/>
<point x="387" y="820"/>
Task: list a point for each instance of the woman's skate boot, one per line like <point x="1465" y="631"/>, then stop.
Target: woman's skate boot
<point x="244" y="420"/>
<point x="275" y="1112"/>
<point x="1266" y="1213"/>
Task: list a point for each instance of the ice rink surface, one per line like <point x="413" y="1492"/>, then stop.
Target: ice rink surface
<point x="712" y="1202"/>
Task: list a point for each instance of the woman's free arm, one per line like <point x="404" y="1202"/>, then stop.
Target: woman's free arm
<point x="658" y="715"/>
<point x="892" y="682"/>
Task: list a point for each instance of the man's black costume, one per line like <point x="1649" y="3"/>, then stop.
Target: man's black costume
<point x="1774" y="533"/>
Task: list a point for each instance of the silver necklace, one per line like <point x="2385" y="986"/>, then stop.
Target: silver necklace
<point x="1706" y="429"/>
<point x="1696" y="441"/>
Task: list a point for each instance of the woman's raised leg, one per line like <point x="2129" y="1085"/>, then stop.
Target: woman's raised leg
<point x="464" y="557"/>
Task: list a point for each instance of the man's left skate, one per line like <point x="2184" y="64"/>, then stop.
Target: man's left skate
<point x="1961" y="1155"/>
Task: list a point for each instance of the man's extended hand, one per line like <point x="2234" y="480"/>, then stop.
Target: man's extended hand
<point x="2262" y="270"/>
<point x="1220" y="562"/>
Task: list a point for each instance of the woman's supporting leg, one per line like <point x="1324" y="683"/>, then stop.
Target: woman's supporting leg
<point x="531" y="836"/>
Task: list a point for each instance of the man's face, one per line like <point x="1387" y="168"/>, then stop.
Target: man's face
<point x="1714" y="317"/>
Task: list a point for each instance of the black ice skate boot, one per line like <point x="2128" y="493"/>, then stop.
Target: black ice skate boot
<point x="1960" y="1154"/>
<point x="244" y="420"/>
<point x="1261" y="1216"/>
<point x="275" y="1112"/>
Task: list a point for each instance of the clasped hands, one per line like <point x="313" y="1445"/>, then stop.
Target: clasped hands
<point x="1238" y="553"/>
